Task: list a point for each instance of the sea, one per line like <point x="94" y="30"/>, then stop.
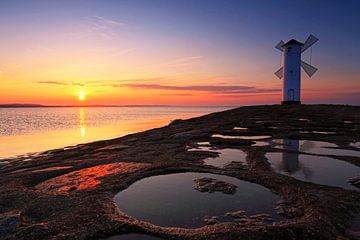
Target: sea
<point x="30" y="130"/>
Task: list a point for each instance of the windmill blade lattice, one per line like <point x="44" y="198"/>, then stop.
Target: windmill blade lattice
<point x="309" y="42"/>
<point x="310" y="70"/>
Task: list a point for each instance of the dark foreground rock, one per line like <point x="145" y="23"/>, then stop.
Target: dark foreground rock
<point x="68" y="193"/>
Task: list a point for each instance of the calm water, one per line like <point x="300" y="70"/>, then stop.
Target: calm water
<point x="170" y="200"/>
<point x="24" y="130"/>
<point x="317" y="169"/>
<point x="226" y="156"/>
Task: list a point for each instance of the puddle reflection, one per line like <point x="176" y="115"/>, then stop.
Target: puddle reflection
<point x="318" y="147"/>
<point x="226" y="156"/>
<point x="321" y="170"/>
<point x="241" y="137"/>
<point x="171" y="200"/>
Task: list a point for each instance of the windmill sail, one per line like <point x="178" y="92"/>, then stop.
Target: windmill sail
<point x="279" y="73"/>
<point x="279" y="45"/>
<point x="309" y="42"/>
<point x="310" y="70"/>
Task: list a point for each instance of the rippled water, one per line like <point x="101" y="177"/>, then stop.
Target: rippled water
<point x="171" y="200"/>
<point x="24" y="130"/>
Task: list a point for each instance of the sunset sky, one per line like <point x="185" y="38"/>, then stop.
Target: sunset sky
<point x="173" y="52"/>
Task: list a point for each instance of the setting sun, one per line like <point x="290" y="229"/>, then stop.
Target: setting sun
<point x="81" y="95"/>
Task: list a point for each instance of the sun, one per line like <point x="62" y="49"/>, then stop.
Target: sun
<point x="81" y="95"/>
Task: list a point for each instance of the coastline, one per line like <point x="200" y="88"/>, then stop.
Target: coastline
<point x="46" y="198"/>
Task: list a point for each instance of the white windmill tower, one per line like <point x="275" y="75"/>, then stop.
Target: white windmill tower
<point x="290" y="71"/>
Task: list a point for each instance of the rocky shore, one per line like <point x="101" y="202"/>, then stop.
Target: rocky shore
<point x="68" y="193"/>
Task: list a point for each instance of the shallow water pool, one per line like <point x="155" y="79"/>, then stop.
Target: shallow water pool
<point x="321" y="170"/>
<point x="171" y="200"/>
<point x="226" y="156"/>
<point x="317" y="147"/>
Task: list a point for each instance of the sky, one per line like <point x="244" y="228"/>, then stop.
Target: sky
<point x="213" y="52"/>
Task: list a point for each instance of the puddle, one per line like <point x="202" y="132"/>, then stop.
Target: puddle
<point x="226" y="156"/>
<point x="321" y="132"/>
<point x="316" y="147"/>
<point x="171" y="200"/>
<point x="355" y="144"/>
<point x="260" y="144"/>
<point x="321" y="170"/>
<point x="241" y="137"/>
<point x="347" y="121"/>
<point x="304" y="120"/>
<point x="240" y="129"/>
<point x="133" y="236"/>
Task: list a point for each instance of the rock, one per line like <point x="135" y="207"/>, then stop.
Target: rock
<point x="213" y="185"/>
<point x="355" y="181"/>
<point x="237" y="214"/>
<point x="211" y="220"/>
<point x="236" y="166"/>
<point x="283" y="209"/>
<point x="9" y="221"/>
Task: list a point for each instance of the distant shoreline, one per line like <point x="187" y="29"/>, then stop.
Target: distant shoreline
<point x="19" y="105"/>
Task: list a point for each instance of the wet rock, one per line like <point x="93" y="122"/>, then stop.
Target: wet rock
<point x="284" y="209"/>
<point x="9" y="221"/>
<point x="206" y="184"/>
<point x="262" y="217"/>
<point x="211" y="220"/>
<point x="355" y="181"/>
<point x="236" y="166"/>
<point x="237" y="214"/>
<point x="34" y="232"/>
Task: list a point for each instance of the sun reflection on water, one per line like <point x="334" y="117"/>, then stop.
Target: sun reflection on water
<point x="82" y="122"/>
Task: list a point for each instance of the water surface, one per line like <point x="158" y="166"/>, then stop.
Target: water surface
<point x="171" y="201"/>
<point x="226" y="155"/>
<point x="24" y="130"/>
<point x="317" y="147"/>
<point x="321" y="170"/>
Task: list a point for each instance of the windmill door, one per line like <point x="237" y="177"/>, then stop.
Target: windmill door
<point x="290" y="95"/>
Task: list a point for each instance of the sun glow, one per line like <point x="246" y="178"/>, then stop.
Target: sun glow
<point x="82" y="95"/>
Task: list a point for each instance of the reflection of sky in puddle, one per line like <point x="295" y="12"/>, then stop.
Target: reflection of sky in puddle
<point x="133" y="236"/>
<point x="260" y="144"/>
<point x="240" y="129"/>
<point x="322" y="170"/>
<point x="322" y="132"/>
<point x="317" y="147"/>
<point x="225" y="157"/>
<point x="241" y="137"/>
<point x="171" y="200"/>
<point x="355" y="144"/>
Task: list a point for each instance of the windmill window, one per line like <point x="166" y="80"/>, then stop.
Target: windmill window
<point x="289" y="49"/>
<point x="291" y="71"/>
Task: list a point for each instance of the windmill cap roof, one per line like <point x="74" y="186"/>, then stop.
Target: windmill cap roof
<point x="292" y="41"/>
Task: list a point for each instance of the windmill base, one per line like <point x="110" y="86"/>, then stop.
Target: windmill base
<point x="291" y="102"/>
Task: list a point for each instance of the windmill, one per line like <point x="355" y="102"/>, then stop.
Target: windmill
<point x="290" y="72"/>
